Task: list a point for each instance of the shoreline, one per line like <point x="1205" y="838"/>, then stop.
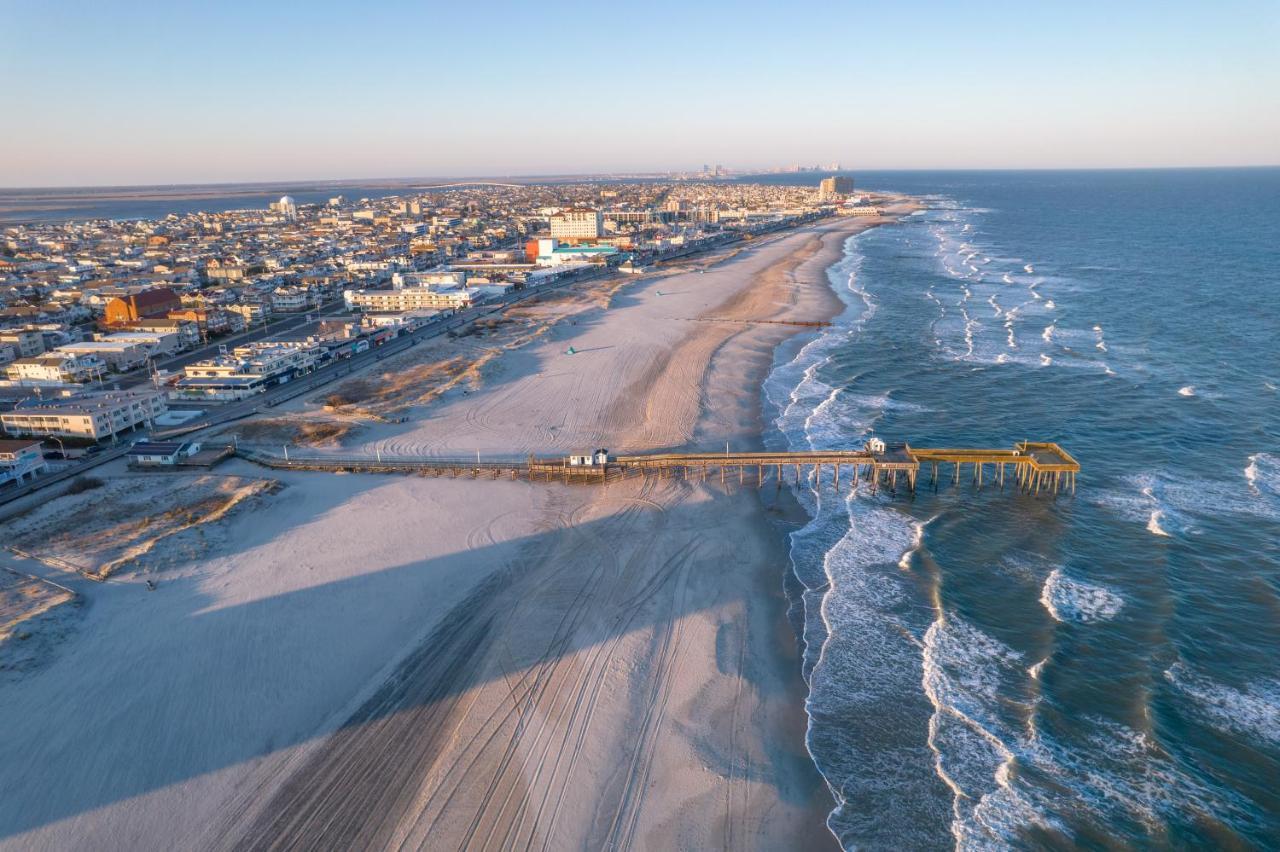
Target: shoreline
<point x="620" y="669"/>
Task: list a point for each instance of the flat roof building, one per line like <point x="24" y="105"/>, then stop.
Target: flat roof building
<point x="579" y="223"/>
<point x="94" y="415"/>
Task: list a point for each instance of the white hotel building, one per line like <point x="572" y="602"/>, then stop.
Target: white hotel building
<point x="578" y="223"/>
<point x="407" y="299"/>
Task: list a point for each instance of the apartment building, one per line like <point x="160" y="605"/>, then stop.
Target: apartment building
<point x="93" y="416"/>
<point x="57" y="366"/>
<point x="578" y="223"/>
<point x="407" y="299"/>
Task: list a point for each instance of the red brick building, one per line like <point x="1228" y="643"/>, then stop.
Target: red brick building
<point x="144" y="305"/>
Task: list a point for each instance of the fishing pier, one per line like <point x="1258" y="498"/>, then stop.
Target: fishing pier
<point x="1034" y="468"/>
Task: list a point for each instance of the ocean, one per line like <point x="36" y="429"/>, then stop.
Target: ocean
<point x="989" y="669"/>
<point x="62" y="204"/>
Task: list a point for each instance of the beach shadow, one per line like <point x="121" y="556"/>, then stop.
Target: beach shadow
<point x="546" y="601"/>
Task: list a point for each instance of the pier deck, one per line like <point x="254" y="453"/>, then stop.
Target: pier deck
<point x="1035" y="466"/>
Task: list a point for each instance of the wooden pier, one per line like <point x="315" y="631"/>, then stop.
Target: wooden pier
<point x="1034" y="468"/>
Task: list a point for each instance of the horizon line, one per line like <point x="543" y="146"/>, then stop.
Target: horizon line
<point x="585" y="177"/>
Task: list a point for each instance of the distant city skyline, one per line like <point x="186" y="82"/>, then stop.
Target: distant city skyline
<point x="153" y="93"/>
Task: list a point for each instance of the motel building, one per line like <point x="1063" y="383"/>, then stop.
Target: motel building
<point x="20" y="461"/>
<point x="90" y="416"/>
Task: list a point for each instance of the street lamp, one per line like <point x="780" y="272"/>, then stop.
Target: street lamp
<point x="61" y="448"/>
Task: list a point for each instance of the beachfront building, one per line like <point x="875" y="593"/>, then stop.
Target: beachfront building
<point x="552" y="253"/>
<point x="834" y="188"/>
<point x="57" y="367"/>
<point x="407" y="321"/>
<point x="407" y="299"/>
<point x="247" y="371"/>
<point x="93" y="416"/>
<point x="20" y="460"/>
<point x="578" y="223"/>
<point x="266" y="360"/>
<point x="160" y="453"/>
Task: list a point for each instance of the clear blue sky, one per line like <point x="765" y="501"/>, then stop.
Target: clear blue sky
<point x="147" y="92"/>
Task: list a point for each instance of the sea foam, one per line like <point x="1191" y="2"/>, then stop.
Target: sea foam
<point x="1069" y="600"/>
<point x="1251" y="712"/>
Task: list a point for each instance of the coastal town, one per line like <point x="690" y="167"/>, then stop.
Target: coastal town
<point x="110" y="330"/>
<point x="166" y="375"/>
<point x="712" y="426"/>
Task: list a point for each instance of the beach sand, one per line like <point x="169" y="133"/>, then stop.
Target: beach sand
<point x="366" y="661"/>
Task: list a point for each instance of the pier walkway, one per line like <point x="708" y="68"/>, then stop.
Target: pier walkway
<point x="1034" y="467"/>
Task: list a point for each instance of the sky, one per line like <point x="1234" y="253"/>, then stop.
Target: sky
<point x="140" y="92"/>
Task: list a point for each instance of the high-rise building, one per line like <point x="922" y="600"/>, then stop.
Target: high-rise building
<point x="286" y="206"/>
<point x="834" y="187"/>
<point x="579" y="223"/>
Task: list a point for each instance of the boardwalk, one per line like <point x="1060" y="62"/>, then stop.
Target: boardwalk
<point x="1033" y="467"/>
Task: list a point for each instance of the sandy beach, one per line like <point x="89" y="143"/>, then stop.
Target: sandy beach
<point x="361" y="661"/>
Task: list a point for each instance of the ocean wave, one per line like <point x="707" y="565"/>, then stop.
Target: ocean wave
<point x="1168" y="504"/>
<point x="1262" y="474"/>
<point x="1154" y="523"/>
<point x="867" y="663"/>
<point x="963" y="672"/>
<point x="1251" y="712"/>
<point x="1069" y="600"/>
